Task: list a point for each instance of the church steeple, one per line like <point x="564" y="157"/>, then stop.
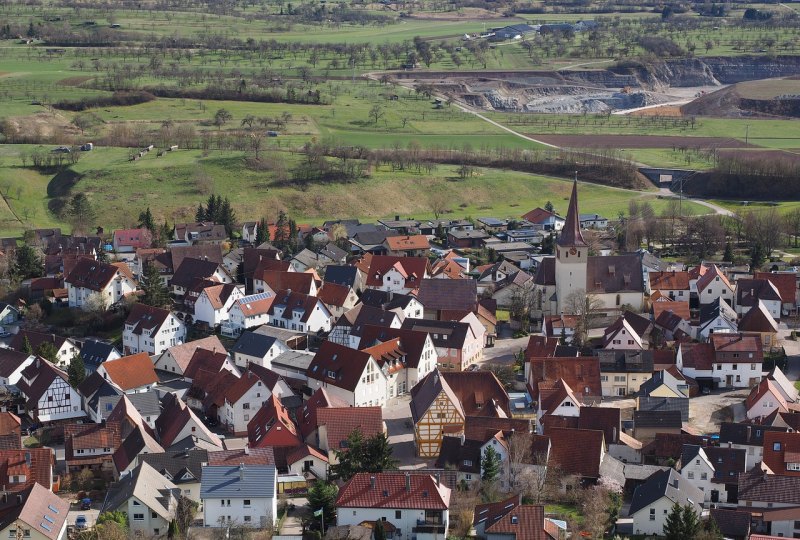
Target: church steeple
<point x="571" y="233"/>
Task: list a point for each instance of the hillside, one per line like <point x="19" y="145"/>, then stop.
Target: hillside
<point x="765" y="98"/>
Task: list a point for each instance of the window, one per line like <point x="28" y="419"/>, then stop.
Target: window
<point x="776" y="447"/>
<point x="247" y="519"/>
<point x="398" y="514"/>
<point x="652" y="514"/>
<point x="735" y="366"/>
<point x="156" y="531"/>
<point x="703" y="476"/>
<point x="793" y="467"/>
<point x="247" y="503"/>
<point x="137" y="503"/>
<point x="246" y="406"/>
<point x="153" y="515"/>
<point x="467" y="463"/>
<point x="138" y="517"/>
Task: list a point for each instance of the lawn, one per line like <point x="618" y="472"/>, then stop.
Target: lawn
<point x="120" y="189"/>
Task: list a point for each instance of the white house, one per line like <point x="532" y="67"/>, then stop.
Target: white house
<point x="257" y="348"/>
<point x="11" y="365"/>
<point x="301" y="312"/>
<point x="133" y="374"/>
<point x="152" y="330"/>
<point x="65" y="347"/>
<point x="351" y="375"/>
<point x="176" y="359"/>
<point x="621" y="336"/>
<point x="48" y="394"/>
<point x="149" y="499"/>
<point x="247" y="312"/>
<point x="109" y="283"/>
<point x="214" y="303"/>
<point x="308" y="460"/>
<point x="712" y="284"/>
<point x="247" y="395"/>
<point x="716" y="317"/>
<point x="245" y="495"/>
<point x="417" y="505"/>
<point x="697" y="468"/>
<point x="764" y="399"/>
<point x="653" y="500"/>
<point x="249" y="231"/>
<point x="750" y="291"/>
<point x="673" y="284"/>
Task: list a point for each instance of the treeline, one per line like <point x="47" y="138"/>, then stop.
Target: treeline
<point x="779" y="107"/>
<point x="748" y="178"/>
<point x="229" y="92"/>
<point x="116" y="99"/>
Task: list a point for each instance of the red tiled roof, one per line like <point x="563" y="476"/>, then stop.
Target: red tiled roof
<point x="131" y="371"/>
<point x="137" y="238"/>
<point x="669" y="281"/>
<point x="538" y="215"/>
<point x="301" y="282"/>
<point x="144" y="317"/>
<point x="95" y="275"/>
<point x="681" y="309"/>
<point x="272" y="426"/>
<point x="333" y="294"/>
<point x="252" y="376"/>
<point x="736" y="343"/>
<point x="699" y="356"/>
<point x="540" y="347"/>
<point x="576" y="451"/>
<point x="40" y="470"/>
<point x="338" y="365"/>
<point x="247" y="455"/>
<point x="786" y="283"/>
<point x="758" y="319"/>
<point x="307" y="416"/>
<point x="302" y="452"/>
<point x="525" y="522"/>
<point x="205" y="360"/>
<point x="9" y="423"/>
<point x="342" y="421"/>
<point x="404" y="243"/>
<point x="183" y="353"/>
<point x="414" y="269"/>
<point x="766" y="386"/>
<point x="479" y="392"/>
<point x="388" y="490"/>
<point x="581" y="373"/>
<point x="779" y="450"/>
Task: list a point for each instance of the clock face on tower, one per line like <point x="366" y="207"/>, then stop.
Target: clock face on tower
<point x="572" y="251"/>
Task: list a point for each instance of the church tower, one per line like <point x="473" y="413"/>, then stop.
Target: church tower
<point x="572" y="254"/>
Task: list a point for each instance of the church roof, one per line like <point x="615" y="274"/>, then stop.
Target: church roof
<point x="571" y="233"/>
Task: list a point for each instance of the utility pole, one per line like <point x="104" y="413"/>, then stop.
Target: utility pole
<point x="746" y="133"/>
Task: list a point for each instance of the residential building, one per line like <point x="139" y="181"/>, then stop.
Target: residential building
<point x="147" y="497"/>
<point x="271" y="426"/>
<point x="737" y="359"/>
<point x="772" y="502"/>
<point x="339" y="299"/>
<point x="351" y="375"/>
<point x="243" y="399"/>
<point x="176" y="358"/>
<point x="712" y="285"/>
<point x="653" y="500"/>
<point x="396" y="274"/>
<point x="407" y="245"/>
<point x="417" y="505"/>
<point x="192" y="269"/>
<point x="673" y="284"/>
<point x="765" y="398"/>
<point x="748" y="437"/>
<point x="256" y="348"/>
<point x="243" y="494"/>
<point x="623" y="372"/>
<point x="781" y="453"/>
<point x="716" y="317"/>
<point x="301" y="312"/>
<point x="65" y="348"/>
<point x="47" y="392"/>
<point x="458" y="344"/>
<point x="151" y="330"/>
<point x="131" y="374"/>
<point x="758" y="321"/>
<point x="21" y="469"/>
<point x="247" y="312"/>
<point x="109" y="282"/>
<point x="750" y="291"/>
<point x="94" y="352"/>
<point x="129" y="240"/>
<point x="214" y="302"/>
<point x="38" y="512"/>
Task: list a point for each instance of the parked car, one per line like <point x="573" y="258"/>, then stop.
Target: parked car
<point x="81" y="523"/>
<point x="86" y="504"/>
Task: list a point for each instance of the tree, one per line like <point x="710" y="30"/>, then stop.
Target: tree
<point x="48" y="351"/>
<point x="96" y="303"/>
<point x="146" y="221"/>
<point x="709" y="531"/>
<point x="728" y="255"/>
<point x="681" y="523"/>
<point x="111" y="530"/>
<point x="322" y="495"/>
<point x="184" y="514"/>
<point x="281" y="238"/>
<point x="173" y="531"/>
<point x="376" y="113"/>
<point x="27" y="263"/>
<point x="76" y="371"/>
<point x="596" y="501"/>
<point x="85" y="479"/>
<point x="83" y="122"/>
<point x="503" y="372"/>
<point x="80" y="214"/>
<point x="262" y="232"/>
<point x="549" y="207"/>
<point x="379" y="533"/>
<point x="222" y="117"/>
<point x="585" y="306"/>
<point x="26" y="346"/>
<point x="363" y="455"/>
<point x="155" y="292"/>
<point x="490" y="465"/>
<point x="227" y="217"/>
<point x="116" y="516"/>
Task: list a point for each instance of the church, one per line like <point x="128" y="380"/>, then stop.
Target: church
<point x="615" y="280"/>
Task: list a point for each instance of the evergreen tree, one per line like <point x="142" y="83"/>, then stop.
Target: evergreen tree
<point x="757" y="256"/>
<point x="102" y="255"/>
<point x="262" y="232"/>
<point x="379" y="533"/>
<point x="211" y="208"/>
<point x="363" y="455"/>
<point x="227" y="217"/>
<point x="281" y="238"/>
<point x="155" y="292"/>
<point x="76" y="371"/>
<point x="681" y="523"/>
<point x="26" y="346"/>
<point x="163" y="234"/>
<point x="322" y="496"/>
<point x="27" y="263"/>
<point x="549" y="206"/>
<point x="200" y="215"/>
<point x="80" y="213"/>
<point x="146" y="221"/>
<point x="48" y="351"/>
<point x="728" y="255"/>
<point x="490" y="465"/>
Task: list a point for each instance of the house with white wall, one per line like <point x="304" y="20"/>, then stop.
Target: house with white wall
<point x="713" y="285"/>
<point x="40" y="513"/>
<point x="351" y="375"/>
<point x="247" y="312"/>
<point x="257" y="348"/>
<point x="148" y="498"/>
<point x="653" y="500"/>
<point x="214" y="302"/>
<point x="243" y="399"/>
<point x="151" y="330"/>
<point x="108" y="282"/>
<point x="48" y="394"/>
<point x="244" y="495"/>
<point x="301" y="312"/>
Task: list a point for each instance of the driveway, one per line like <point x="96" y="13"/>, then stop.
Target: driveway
<point x="503" y="351"/>
<point x="400" y="427"/>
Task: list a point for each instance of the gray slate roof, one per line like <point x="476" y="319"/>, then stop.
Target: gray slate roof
<point x="256" y="481"/>
<point x="668" y="484"/>
<point x="253" y="344"/>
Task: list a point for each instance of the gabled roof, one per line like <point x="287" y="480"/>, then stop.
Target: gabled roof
<point x="36" y="339"/>
<point x="137" y="442"/>
<point x="301" y="282"/>
<point x="447" y="334"/>
<point x="745" y="434"/>
<point x="490" y="513"/>
<point x="758" y="319"/>
<point x="307" y="415"/>
<point x="255" y="481"/>
<point x="40" y="509"/>
<point x="131" y="372"/>
<point x="205" y="360"/>
<point x="332" y="294"/>
<point x="183" y="353"/>
<point x="413" y="269"/>
<point x="614" y="273"/>
<point x="341" y="275"/>
<point x="618" y="327"/>
<point x="386" y="300"/>
<point x="146" y="318"/>
<point x="338" y="365"/>
<point x="246" y="455"/>
<point x="606" y="419"/>
<point x="342" y="421"/>
<point x="546" y="272"/>
<point x="699" y="356"/>
<point x="731" y="522"/>
<point x="425" y="392"/>
<point x="407" y="242"/>
<point x="540" y="347"/>
<point x="670" y="484"/>
<point x="291" y="301"/>
<point x="35" y="464"/>
<point x="736" y="343"/>
<point x="253" y="344"/>
<point x="219" y="294"/>
<point x="784" y="282"/>
<point x="482" y="428"/>
<point x="445" y="294"/>
<point x="669" y="281"/>
<point x="581" y="373"/>
<point x="95" y="275"/>
<point x="174" y="416"/>
<point x="750" y="291"/>
<point x="389" y="490"/>
<point x="11" y="360"/>
<point x="96" y="352"/>
<point x="272" y="415"/>
<point x="480" y="393"/>
<point x="45" y="374"/>
<point x="145" y="483"/>
<point x="463" y="456"/>
<point x="769" y="488"/>
<point x="138" y="238"/>
<point x="253" y="375"/>
<point x="540" y="215"/>
<point x="785" y="385"/>
<point x="409" y="342"/>
<point x="706" y="275"/>
<point x="680" y="309"/>
<point x="525" y="522"/>
<point x="657" y="419"/>
<point x="766" y="386"/>
<point x="576" y="451"/>
<point x="192" y="269"/>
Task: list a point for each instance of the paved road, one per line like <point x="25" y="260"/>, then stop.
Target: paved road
<point x="503" y="351"/>
<point x="291" y="524"/>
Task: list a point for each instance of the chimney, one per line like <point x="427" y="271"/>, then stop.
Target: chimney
<point x="241" y="472"/>
<point x="438" y="479"/>
<point x="408" y="482"/>
<point x="372" y="482"/>
<point x="247" y="449"/>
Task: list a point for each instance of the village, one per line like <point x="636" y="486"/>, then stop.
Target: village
<point x="378" y="383"/>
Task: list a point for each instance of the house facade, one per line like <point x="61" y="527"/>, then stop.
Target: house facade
<point x="152" y="330"/>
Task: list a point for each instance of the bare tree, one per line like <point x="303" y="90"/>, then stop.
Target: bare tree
<point x="585" y="307"/>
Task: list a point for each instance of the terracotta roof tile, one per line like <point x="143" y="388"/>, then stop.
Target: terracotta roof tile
<point x="390" y="491"/>
<point x="699" y="356"/>
<point x="248" y="456"/>
<point x="576" y="451"/>
<point x="407" y="243"/>
<point x="525" y="522"/>
<point x="95" y="275"/>
<point x="669" y="281"/>
<point x="681" y="309"/>
<point x="786" y="283"/>
<point x="413" y="268"/>
<point x="338" y="365"/>
<point x="131" y="371"/>
<point x="581" y="373"/>
<point x="15" y="463"/>
<point x="341" y="422"/>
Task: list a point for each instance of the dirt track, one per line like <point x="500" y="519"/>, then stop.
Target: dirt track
<point x="639" y="141"/>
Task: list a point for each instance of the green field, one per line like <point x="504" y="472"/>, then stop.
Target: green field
<point x="119" y="190"/>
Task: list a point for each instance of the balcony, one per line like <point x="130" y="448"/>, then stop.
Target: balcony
<point x="429" y="526"/>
